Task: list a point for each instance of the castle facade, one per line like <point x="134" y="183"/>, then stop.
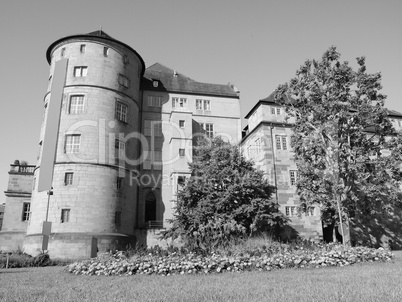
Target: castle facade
<point x="125" y="138"/>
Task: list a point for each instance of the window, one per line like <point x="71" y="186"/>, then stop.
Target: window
<point x="72" y="143"/>
<point x="291" y="211"/>
<point x="293" y="177"/>
<point x="117" y="218"/>
<point x="65" y="215"/>
<point x="281" y="143"/>
<point x="182" y="152"/>
<point x="157" y="128"/>
<point x="207" y="105"/>
<point x="121" y="112"/>
<point x="76" y="104"/>
<point x="120" y="151"/>
<point x="68" y="178"/>
<point x="155" y="101"/>
<point x="209" y="130"/>
<point x="63" y="51"/>
<point x="257" y="145"/>
<point x="26" y="211"/>
<point x="310" y="211"/>
<point x="158" y="155"/>
<point x="80" y="71"/>
<point x="198" y="104"/>
<point x="203" y="105"/>
<point x="119" y="183"/>
<point x="105" y="51"/>
<point x="124" y="81"/>
<point x="275" y="110"/>
<point x="179" y="102"/>
<point x="82" y="48"/>
<point x="181" y="123"/>
<point x="125" y="59"/>
<point x="181" y="181"/>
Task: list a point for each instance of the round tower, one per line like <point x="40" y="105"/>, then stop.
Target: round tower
<point x="93" y="204"/>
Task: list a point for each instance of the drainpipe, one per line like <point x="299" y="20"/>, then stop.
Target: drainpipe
<point x="274" y="161"/>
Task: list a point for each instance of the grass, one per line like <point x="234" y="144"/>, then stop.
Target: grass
<point x="361" y="282"/>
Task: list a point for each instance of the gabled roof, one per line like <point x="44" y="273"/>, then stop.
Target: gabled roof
<point x="173" y="81"/>
<point x="269" y="100"/>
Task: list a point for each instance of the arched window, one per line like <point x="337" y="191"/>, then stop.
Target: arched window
<point x="150" y="207"/>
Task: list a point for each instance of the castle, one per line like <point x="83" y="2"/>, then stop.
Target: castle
<point x="124" y="141"/>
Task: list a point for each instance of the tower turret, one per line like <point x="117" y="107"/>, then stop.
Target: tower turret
<point x="97" y="148"/>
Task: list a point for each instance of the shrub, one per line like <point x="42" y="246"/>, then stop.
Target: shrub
<point x="275" y="256"/>
<point x="20" y="259"/>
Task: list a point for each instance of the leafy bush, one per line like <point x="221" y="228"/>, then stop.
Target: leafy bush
<point x="20" y="259"/>
<point x="266" y="258"/>
<point x="225" y="200"/>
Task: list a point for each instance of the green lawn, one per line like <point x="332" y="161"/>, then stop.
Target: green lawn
<point x="363" y="282"/>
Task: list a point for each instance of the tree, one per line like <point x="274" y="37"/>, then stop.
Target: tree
<point x="224" y="200"/>
<point x="346" y="149"/>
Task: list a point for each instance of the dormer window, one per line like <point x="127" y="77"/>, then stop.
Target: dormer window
<point x="275" y="110"/>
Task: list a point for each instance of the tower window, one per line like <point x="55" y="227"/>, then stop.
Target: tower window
<point x="119" y="183"/>
<point x="63" y="51"/>
<point x="120" y="151"/>
<point x="123" y="81"/>
<point x="121" y="112"/>
<point x="125" y="59"/>
<point x="117" y="218"/>
<point x="182" y="152"/>
<point x="68" y="178"/>
<point x="80" y="71"/>
<point x="26" y="210"/>
<point x="181" y="123"/>
<point x="105" y="51"/>
<point x="76" y="104"/>
<point x="65" y="215"/>
<point x="72" y="143"/>
<point x="82" y="48"/>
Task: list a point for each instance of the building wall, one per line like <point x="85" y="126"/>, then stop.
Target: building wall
<point x="224" y="114"/>
<point x="16" y="220"/>
<point x="275" y="159"/>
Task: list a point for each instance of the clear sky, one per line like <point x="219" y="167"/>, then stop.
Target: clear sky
<point x="253" y="44"/>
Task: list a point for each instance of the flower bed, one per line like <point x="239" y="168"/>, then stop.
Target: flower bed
<point x="192" y="263"/>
